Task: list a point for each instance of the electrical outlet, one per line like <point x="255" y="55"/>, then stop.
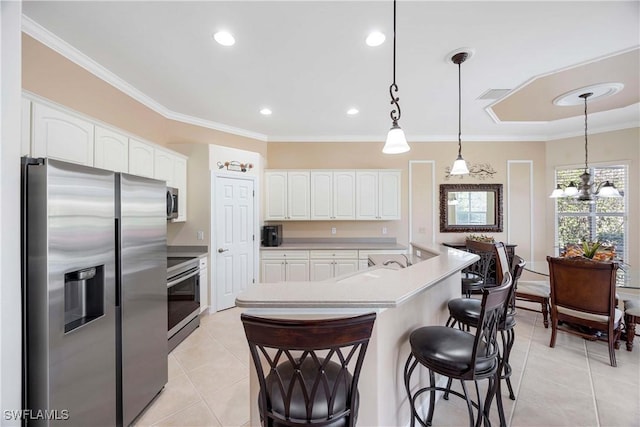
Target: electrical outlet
<point x="418" y="253"/>
<point x="333" y="230"/>
<point x="200" y="235"/>
<point x="384" y="230"/>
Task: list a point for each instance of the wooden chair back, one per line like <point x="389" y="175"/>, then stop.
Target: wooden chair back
<point x="303" y="368"/>
<point x="583" y="285"/>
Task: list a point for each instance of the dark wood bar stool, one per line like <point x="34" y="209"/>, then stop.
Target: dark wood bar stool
<point x="302" y="368"/>
<point x="460" y="355"/>
<point x="476" y="276"/>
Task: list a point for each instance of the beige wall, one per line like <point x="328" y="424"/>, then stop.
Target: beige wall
<point x="288" y="155"/>
<point x="605" y="148"/>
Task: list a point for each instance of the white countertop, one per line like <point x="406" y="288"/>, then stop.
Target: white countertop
<point x="364" y="289"/>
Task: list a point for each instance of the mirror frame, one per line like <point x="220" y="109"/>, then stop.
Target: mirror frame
<point x="445" y="189"/>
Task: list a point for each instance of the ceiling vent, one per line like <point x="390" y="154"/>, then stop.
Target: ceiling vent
<point x="494" y="94"/>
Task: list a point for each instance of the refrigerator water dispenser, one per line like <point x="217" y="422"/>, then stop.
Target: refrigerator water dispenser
<point x="83" y="297"/>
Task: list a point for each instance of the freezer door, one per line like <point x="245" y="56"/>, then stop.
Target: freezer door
<point x="69" y="284"/>
<point x="143" y="291"/>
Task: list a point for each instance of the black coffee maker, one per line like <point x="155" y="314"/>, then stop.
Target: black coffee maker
<point x="272" y="235"/>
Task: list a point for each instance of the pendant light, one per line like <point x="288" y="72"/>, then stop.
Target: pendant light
<point x="459" y="166"/>
<point x="396" y="141"/>
<point x="584" y="191"/>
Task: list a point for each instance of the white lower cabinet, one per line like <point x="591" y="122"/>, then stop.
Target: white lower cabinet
<point x="284" y="266"/>
<point x="326" y="264"/>
<point x="204" y="284"/>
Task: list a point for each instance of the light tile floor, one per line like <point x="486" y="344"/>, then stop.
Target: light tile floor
<point x="569" y="385"/>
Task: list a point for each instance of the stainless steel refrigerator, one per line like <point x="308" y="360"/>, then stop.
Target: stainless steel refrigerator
<point x="95" y="297"/>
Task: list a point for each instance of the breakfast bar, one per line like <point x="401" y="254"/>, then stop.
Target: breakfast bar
<point x="403" y="298"/>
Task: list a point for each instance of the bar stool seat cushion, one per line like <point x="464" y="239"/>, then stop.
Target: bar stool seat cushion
<point x="448" y="349"/>
<point x="302" y="382"/>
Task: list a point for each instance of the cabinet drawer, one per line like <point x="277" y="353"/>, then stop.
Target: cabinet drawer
<point x="330" y="254"/>
<point x="284" y="254"/>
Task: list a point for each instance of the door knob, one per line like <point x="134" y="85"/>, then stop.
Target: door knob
<point x="220" y="250"/>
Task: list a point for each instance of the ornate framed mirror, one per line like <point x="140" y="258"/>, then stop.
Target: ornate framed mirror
<point x="468" y="208"/>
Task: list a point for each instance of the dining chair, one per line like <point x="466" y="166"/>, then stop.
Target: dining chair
<point x="583" y="300"/>
<point x="303" y="368"/>
<point x="631" y="317"/>
<point x="476" y="276"/>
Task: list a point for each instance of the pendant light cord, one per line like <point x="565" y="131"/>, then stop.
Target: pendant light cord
<point x="459" y="112"/>
<point x="586" y="148"/>
<point x="394" y="87"/>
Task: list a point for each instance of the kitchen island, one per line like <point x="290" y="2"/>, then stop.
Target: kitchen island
<point x="403" y="298"/>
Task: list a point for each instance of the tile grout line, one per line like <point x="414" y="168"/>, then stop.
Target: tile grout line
<point x="593" y="389"/>
<point x="524" y="367"/>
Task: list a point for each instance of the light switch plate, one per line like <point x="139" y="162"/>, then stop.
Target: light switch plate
<point x="200" y="235"/>
<point x="333" y="230"/>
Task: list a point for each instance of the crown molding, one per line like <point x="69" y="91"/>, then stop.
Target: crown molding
<point x="601" y="129"/>
<point x="410" y="138"/>
<point x="44" y="36"/>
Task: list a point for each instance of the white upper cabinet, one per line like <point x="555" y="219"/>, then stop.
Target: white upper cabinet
<point x="333" y="195"/>
<point x="287" y="195"/>
<point x="172" y="168"/>
<point x="61" y="136"/>
<point x="111" y="150"/>
<point x="378" y="194"/>
<point x="141" y="158"/>
<point x="344" y="195"/>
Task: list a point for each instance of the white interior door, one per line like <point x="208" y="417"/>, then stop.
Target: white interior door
<point x="234" y="237"/>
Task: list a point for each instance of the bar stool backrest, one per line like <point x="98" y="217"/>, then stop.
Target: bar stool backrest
<point x="494" y="303"/>
<point x="303" y="368"/>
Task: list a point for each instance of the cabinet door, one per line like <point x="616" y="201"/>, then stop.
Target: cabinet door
<point x="298" y="189"/>
<point x="273" y="270"/>
<point x="25" y="128"/>
<point x="163" y="167"/>
<point x="344" y="195"/>
<point x="322" y="195"/>
<point x="180" y="182"/>
<point x="389" y="194"/>
<point x="344" y="266"/>
<point x="297" y="270"/>
<point x="321" y="269"/>
<point x="141" y="158"/>
<point x="111" y="150"/>
<point x="366" y="194"/>
<point x="61" y="136"/>
<point x="275" y="195"/>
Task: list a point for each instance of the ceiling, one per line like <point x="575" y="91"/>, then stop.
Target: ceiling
<point x="308" y="62"/>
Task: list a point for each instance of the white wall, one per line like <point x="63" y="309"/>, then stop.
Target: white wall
<point x="10" y="300"/>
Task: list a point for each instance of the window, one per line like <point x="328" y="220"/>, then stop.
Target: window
<point x="471" y="207"/>
<point x="604" y="220"/>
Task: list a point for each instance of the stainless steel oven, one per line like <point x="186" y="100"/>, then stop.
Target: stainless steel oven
<point x="183" y="298"/>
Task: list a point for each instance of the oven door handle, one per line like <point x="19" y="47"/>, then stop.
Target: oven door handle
<point x="182" y="278"/>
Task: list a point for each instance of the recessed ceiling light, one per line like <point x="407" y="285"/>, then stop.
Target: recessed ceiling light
<point x="352" y="111"/>
<point x="224" y="38"/>
<point x="375" y="38"/>
<point x="265" y="112"/>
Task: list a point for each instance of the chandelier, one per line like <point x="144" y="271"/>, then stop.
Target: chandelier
<point x="584" y="191"/>
<point x="396" y="141"/>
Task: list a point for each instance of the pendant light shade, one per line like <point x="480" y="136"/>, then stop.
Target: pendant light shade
<point x="396" y="141"/>
<point x="608" y="190"/>
<point x="558" y="192"/>
<point x="459" y="166"/>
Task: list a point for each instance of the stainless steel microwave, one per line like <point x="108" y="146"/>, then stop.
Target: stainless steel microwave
<point x="172" y="203"/>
